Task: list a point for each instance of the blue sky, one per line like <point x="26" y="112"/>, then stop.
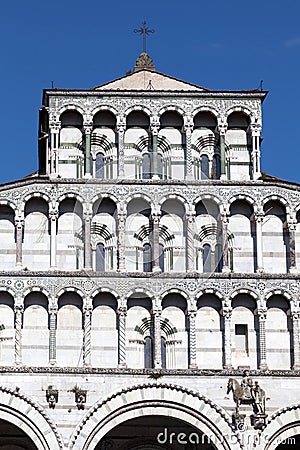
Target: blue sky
<point x="80" y="44"/>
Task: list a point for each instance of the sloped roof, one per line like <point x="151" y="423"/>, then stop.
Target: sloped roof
<point x="147" y="80"/>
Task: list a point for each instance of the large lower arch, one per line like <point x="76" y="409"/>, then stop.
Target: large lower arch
<point x="283" y="429"/>
<point x="155" y="400"/>
<point x="19" y="411"/>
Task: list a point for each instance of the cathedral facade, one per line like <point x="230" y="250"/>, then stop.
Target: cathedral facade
<point x="149" y="275"/>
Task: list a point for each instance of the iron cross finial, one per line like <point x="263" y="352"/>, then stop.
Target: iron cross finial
<point x="144" y="31"/>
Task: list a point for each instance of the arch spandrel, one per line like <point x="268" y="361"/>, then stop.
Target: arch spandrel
<point x="168" y="400"/>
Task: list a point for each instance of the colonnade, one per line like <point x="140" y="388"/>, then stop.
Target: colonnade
<point x="227" y="329"/>
<point x="154" y="222"/>
<point x="52" y="147"/>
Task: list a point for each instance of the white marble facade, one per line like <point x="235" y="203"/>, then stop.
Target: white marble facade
<point x="146" y="262"/>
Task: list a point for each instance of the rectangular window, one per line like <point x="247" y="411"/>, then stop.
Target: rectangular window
<point x="241" y="338"/>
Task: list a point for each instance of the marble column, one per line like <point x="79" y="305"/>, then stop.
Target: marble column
<point x="121" y="134"/>
<point x="295" y="315"/>
<point x="154" y="129"/>
<point x="259" y="217"/>
<point x="226" y="262"/>
<point x="255" y="153"/>
<point x="52" y="335"/>
<point x="292" y="247"/>
<point x="54" y="142"/>
<point x="190" y="232"/>
<point x="155" y="242"/>
<point x="222" y="128"/>
<point x="227" y="315"/>
<point x="122" y="312"/>
<point x="262" y="317"/>
<point x="156" y="317"/>
<point x="53" y="215"/>
<point x="188" y="128"/>
<point x="87" y="327"/>
<point x="192" y="339"/>
<point x="121" y="241"/>
<point x="87" y="164"/>
<point x="19" y="310"/>
<point x="19" y="227"/>
<point x="87" y="239"/>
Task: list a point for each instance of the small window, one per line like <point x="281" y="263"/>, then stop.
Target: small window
<point x="148" y="352"/>
<point x="100" y="258"/>
<point x="241" y="338"/>
<point x="146" y="170"/>
<point x="147" y="258"/>
<point x="99" y="166"/>
<point x="163" y="353"/>
<point x="206" y="258"/>
<point x="204" y="167"/>
<point x="161" y="258"/>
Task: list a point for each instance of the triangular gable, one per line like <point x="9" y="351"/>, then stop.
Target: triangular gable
<point x="146" y="80"/>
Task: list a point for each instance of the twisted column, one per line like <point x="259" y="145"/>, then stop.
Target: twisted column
<point x="262" y="317"/>
<point x="156" y="317"/>
<point x="188" y="146"/>
<point x="192" y="339"/>
<point x="295" y="315"/>
<point x="18" y="333"/>
<point x="155" y="242"/>
<point x="122" y="312"/>
<point x="121" y="133"/>
<point x="121" y="240"/>
<point x="19" y="226"/>
<point x="227" y="314"/>
<point x="222" y="128"/>
<point x="190" y="231"/>
<point x="87" y="328"/>
<point x="259" y="217"/>
<point x="52" y="335"/>
<point x="87" y="238"/>
<point x="292" y="248"/>
<point x="53" y="216"/>
<point x="224" y="221"/>
<point x="87" y="164"/>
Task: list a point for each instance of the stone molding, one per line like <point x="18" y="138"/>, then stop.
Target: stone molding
<point x="24" y="407"/>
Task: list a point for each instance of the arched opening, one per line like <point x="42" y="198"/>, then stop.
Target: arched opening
<point x="173" y="311"/>
<point x="239" y="164"/>
<point x="279" y="333"/>
<point x="36" y="242"/>
<point x="140" y="333"/>
<point x="208" y="237"/>
<point x="7" y="332"/>
<point x="208" y="322"/>
<point x="245" y="332"/>
<point x="8" y="245"/>
<point x="69" y="323"/>
<point x="205" y="152"/>
<point x="275" y="238"/>
<point x="172" y="236"/>
<point x="35" y="336"/>
<point x="71" y="154"/>
<point x="103" y="235"/>
<point x="243" y="232"/>
<point x="70" y="235"/>
<point x="104" y="336"/>
<point x="138" y="146"/>
<point x="171" y="145"/>
<point x="139" y="248"/>
<point x="14" y="438"/>
<point x="103" y="145"/>
<point x="155" y="433"/>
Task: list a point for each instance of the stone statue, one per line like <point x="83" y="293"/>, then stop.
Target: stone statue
<point x="259" y="399"/>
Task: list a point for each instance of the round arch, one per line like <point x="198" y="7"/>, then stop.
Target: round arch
<point x="247" y="291"/>
<point x="283" y="424"/>
<point x="71" y="107"/>
<point x="141" y="108"/>
<point x="104" y="108"/>
<point x="206" y="108"/>
<point x="278" y="198"/>
<point x="170" y="108"/>
<point x="31" y="418"/>
<point x="9" y="203"/>
<point x="103" y="290"/>
<point x="168" y="400"/>
<point x="239" y="108"/>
